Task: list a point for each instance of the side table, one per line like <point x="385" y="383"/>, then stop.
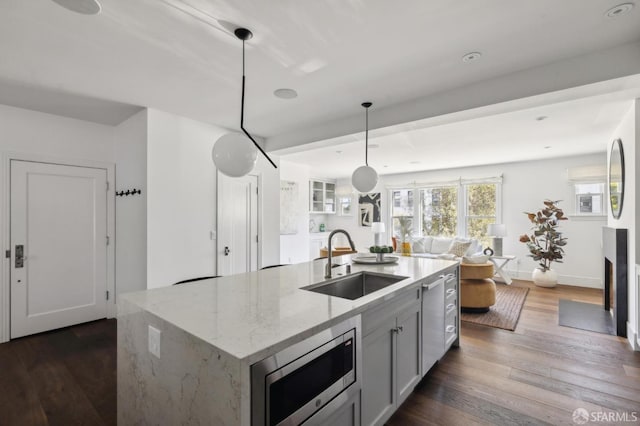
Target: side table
<point x="500" y="263"/>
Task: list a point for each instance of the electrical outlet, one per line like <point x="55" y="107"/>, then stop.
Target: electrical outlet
<point x="154" y="341"/>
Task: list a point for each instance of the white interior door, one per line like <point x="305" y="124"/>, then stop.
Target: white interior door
<point x="237" y="224"/>
<point x="59" y="227"/>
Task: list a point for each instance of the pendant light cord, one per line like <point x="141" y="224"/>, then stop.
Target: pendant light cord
<point x="366" y="138"/>
<point x="242" y="115"/>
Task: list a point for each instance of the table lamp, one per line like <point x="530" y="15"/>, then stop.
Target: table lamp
<point x="377" y="228"/>
<point x="497" y="231"/>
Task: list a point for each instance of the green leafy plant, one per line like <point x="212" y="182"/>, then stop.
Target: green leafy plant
<point x="545" y="242"/>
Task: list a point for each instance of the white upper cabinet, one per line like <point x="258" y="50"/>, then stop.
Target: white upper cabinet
<point x="322" y="196"/>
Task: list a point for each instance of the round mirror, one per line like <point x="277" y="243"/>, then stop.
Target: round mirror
<point x="616" y="178"/>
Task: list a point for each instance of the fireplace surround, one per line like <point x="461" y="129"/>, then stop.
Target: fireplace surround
<point x="615" y="295"/>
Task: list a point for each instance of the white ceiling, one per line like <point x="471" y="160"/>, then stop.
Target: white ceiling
<point x="65" y="104"/>
<point x="570" y="128"/>
<point x="180" y="56"/>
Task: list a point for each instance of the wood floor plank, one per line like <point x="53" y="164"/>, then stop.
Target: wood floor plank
<point x="553" y="370"/>
<point x="584" y="396"/>
<point x="20" y="403"/>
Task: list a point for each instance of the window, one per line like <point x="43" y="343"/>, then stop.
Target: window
<point x="480" y="211"/>
<point x="451" y="209"/>
<point x="402" y="211"/>
<point x="439" y="211"/>
<point x="589" y="199"/>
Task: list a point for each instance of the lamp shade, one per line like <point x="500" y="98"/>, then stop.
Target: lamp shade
<point x="378" y="227"/>
<point x="234" y="154"/>
<point x="364" y="179"/>
<point x="496" y="230"/>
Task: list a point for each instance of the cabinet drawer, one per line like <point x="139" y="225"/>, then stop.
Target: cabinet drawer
<point x="451" y="332"/>
<point x="450" y="282"/>
<point x="372" y="318"/>
<point x="451" y="307"/>
<point x="450" y="296"/>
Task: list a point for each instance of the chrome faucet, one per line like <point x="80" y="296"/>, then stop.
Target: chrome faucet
<point x="327" y="269"/>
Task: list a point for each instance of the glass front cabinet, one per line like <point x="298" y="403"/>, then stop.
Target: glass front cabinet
<point x="322" y="196"/>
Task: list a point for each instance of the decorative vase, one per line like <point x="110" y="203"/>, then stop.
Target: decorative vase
<point x="406" y="249"/>
<point x="548" y="278"/>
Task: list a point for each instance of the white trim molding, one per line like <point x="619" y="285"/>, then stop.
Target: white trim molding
<point x="572" y="280"/>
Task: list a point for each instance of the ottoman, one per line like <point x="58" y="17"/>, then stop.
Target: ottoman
<point x="477" y="289"/>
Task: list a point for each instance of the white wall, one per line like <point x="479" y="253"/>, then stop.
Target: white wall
<point x="181" y="200"/>
<point x="47" y="137"/>
<point x="361" y="235"/>
<point x="628" y="132"/>
<point x="294" y="248"/>
<point x="525" y="186"/>
<point x="181" y="203"/>
<point x="130" y="145"/>
<point x="26" y="131"/>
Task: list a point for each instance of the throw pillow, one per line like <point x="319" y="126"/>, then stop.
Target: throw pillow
<point x="440" y="245"/>
<point x="475" y="259"/>
<point x="459" y="248"/>
<point x="422" y="245"/>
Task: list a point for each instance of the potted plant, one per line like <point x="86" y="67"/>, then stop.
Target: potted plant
<point x="405" y="223"/>
<point x="545" y="243"/>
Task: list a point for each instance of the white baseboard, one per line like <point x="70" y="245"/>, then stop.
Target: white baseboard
<point x="573" y="280"/>
<point x="632" y="337"/>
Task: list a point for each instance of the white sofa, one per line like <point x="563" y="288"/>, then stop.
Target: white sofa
<point x="444" y="247"/>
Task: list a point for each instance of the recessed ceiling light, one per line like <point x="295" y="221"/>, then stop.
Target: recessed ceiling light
<point x="542" y="117"/>
<point x="619" y="10"/>
<point x="373" y="146"/>
<point x="338" y="152"/>
<point x="414" y="162"/>
<point x="547" y="147"/>
<point x="385" y="166"/>
<point x="285" y="93"/>
<point x="85" y="7"/>
<point x="471" y="56"/>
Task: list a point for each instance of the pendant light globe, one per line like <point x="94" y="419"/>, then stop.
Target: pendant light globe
<point x="234" y="154"/>
<point x="364" y="179"/>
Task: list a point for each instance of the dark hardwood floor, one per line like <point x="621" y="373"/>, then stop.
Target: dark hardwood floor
<point x="538" y="374"/>
<point x="62" y="377"/>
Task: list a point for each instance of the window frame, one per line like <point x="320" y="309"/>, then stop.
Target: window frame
<point x="461" y="206"/>
<point x="577" y="195"/>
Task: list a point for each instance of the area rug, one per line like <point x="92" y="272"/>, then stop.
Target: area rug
<point x="505" y="313"/>
<point x="585" y="316"/>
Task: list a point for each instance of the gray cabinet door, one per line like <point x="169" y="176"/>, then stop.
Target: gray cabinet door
<point x="378" y="374"/>
<point x="408" y="351"/>
<point x="433" y="326"/>
<point x="347" y="415"/>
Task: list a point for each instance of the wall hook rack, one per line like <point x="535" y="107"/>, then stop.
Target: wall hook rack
<point x="128" y="192"/>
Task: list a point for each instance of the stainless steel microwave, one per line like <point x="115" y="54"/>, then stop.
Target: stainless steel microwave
<point x="309" y="379"/>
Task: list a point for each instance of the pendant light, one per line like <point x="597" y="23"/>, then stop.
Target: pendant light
<point x="235" y="154"/>
<point x="365" y="178"/>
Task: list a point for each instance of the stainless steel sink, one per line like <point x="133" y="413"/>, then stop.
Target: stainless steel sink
<point x="355" y="286"/>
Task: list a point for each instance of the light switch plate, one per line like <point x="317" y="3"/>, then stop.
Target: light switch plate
<point x="154" y="341"/>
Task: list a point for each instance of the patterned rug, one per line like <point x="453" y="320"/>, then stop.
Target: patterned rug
<point x="505" y="313"/>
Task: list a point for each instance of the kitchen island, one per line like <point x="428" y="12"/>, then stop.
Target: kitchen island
<point x="209" y="333"/>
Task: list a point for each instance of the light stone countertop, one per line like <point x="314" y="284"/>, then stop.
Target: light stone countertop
<point x="253" y="315"/>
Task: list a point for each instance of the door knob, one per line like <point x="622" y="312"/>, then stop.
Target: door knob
<point x="226" y="251"/>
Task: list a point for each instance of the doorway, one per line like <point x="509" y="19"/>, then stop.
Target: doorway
<point x="238" y="219"/>
<point x="59" y="260"/>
